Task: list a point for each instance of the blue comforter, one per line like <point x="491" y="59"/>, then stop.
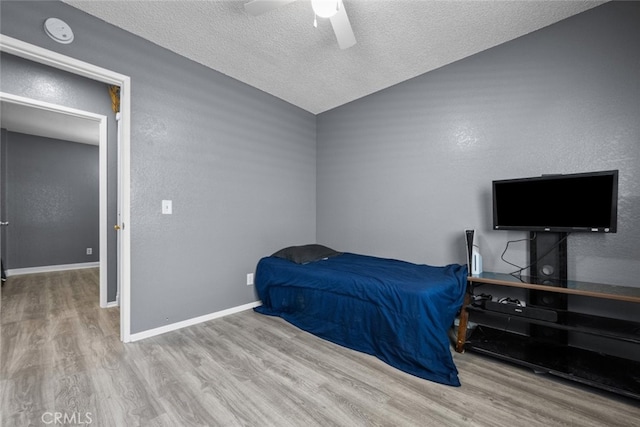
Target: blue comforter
<point x="395" y="310"/>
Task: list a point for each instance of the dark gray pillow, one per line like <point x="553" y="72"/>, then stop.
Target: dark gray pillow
<point x="306" y="253"/>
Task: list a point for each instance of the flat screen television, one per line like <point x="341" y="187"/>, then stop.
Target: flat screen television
<point x="586" y="202"/>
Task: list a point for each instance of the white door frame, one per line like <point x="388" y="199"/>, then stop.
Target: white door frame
<point x="101" y="123"/>
<point x="53" y="59"/>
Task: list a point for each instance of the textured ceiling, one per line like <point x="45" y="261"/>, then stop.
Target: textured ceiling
<point x="281" y="52"/>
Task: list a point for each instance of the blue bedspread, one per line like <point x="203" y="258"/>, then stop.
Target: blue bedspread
<point x="395" y="310"/>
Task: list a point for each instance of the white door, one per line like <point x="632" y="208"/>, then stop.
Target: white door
<point x="4" y="222"/>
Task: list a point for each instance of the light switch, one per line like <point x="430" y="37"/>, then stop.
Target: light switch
<point x="167" y="207"/>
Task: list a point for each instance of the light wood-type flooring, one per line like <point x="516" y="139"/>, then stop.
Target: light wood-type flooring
<point x="61" y="357"/>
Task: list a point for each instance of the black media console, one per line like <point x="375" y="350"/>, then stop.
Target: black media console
<point x="544" y="345"/>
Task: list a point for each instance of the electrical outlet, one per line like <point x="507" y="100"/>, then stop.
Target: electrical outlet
<point x="89" y="251"/>
<point x="249" y="279"/>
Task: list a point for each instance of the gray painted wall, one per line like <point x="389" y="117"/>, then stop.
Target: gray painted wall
<point x="52" y="200"/>
<point x="402" y="172"/>
<point x="35" y="81"/>
<point x="239" y="165"/>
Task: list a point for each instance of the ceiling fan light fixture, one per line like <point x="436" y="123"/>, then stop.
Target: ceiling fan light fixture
<point x="325" y="8"/>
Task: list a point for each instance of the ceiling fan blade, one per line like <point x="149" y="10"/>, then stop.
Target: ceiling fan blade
<point x="342" y="28"/>
<point x="258" y="7"/>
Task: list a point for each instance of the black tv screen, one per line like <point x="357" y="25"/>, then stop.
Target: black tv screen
<point x="557" y="203"/>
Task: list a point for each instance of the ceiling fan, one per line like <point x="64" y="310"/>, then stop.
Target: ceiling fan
<point x="332" y="9"/>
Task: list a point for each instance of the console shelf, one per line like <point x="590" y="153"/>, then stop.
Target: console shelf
<point x="578" y="322"/>
<point x="610" y="373"/>
<point x="557" y="357"/>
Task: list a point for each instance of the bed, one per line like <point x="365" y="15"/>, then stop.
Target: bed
<point x="395" y="310"/>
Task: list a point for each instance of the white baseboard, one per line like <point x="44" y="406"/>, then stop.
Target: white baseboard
<point x="112" y="304"/>
<point x="194" y="321"/>
<point x="50" y="268"/>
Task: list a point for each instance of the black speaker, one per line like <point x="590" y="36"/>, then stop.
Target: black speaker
<point x="548" y="258"/>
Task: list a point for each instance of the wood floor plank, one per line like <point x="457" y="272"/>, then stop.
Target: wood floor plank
<point x="59" y="351"/>
<point x="74" y="392"/>
<point x="12" y="305"/>
<point x="26" y="345"/>
<point x="25" y="397"/>
<point x="61" y="303"/>
<point x="124" y="398"/>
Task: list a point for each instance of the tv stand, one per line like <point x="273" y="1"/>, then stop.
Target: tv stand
<point x="557" y="357"/>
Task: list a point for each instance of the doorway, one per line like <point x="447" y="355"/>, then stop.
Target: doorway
<point x="33" y="117"/>
<point x="43" y="56"/>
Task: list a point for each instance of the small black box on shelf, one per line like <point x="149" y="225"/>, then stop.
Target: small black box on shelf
<point x="518" y="310"/>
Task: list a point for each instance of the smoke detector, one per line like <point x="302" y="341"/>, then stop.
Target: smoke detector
<point x="58" y="30"/>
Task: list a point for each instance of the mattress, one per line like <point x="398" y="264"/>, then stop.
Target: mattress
<point x="395" y="310"/>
